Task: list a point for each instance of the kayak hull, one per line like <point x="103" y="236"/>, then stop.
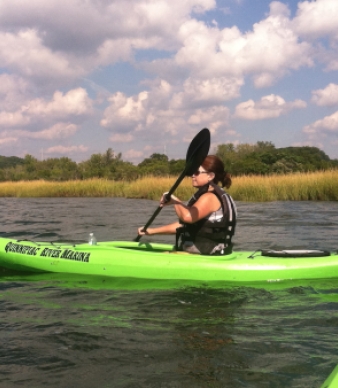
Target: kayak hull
<point x="332" y="380"/>
<point x="146" y="260"/>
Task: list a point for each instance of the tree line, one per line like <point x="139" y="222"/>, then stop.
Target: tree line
<point x="264" y="158"/>
<point x="261" y="158"/>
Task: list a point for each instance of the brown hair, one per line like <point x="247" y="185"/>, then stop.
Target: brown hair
<point x="213" y="163"/>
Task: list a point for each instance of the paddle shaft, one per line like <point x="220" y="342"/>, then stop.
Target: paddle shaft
<point x="168" y="195"/>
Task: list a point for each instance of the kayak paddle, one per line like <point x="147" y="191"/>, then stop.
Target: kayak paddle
<point x="197" y="152"/>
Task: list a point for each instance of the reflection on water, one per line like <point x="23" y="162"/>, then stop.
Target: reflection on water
<point x="65" y="330"/>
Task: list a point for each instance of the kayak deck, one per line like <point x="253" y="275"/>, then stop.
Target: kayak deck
<point x="159" y="261"/>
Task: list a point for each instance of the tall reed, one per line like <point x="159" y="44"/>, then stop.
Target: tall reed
<point x="41" y="188"/>
<point x="321" y="185"/>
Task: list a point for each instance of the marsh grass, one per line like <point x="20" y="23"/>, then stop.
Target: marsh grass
<point x="41" y="188"/>
<point x="321" y="186"/>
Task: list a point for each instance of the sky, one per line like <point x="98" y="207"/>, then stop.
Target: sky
<point x="144" y="76"/>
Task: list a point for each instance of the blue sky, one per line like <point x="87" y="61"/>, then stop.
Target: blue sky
<point x="144" y="76"/>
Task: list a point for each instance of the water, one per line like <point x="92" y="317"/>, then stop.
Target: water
<point x="61" y="331"/>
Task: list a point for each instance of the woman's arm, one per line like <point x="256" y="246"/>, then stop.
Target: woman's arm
<point x="203" y="207"/>
<point x="165" y="229"/>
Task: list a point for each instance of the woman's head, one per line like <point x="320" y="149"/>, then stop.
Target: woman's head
<point x="213" y="164"/>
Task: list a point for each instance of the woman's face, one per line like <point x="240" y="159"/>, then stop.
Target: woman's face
<point x="201" y="177"/>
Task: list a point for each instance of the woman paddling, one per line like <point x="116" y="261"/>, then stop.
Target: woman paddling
<point x="207" y="222"/>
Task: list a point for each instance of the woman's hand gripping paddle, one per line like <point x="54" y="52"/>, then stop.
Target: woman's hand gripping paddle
<point x="197" y="152"/>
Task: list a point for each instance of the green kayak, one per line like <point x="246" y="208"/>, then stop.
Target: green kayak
<point x="144" y="260"/>
<point x="332" y="380"/>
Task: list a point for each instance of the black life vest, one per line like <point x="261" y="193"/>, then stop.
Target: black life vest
<point x="207" y="234"/>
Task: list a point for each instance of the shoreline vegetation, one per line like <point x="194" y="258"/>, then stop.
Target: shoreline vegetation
<point x="305" y="186"/>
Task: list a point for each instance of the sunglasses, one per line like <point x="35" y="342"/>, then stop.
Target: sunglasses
<point x="196" y="173"/>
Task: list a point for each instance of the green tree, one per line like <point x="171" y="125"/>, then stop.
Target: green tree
<point x="265" y="146"/>
<point x="227" y="153"/>
<point x="176" y="167"/>
<point x="31" y="166"/>
<point x="10" y="161"/>
<point x="157" y="165"/>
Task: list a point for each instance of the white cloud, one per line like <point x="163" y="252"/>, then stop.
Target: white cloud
<point x="317" y="18"/>
<point x="210" y="91"/>
<point x="267" y="52"/>
<point x="213" y="118"/>
<point x="25" y="54"/>
<point x="133" y="155"/>
<point x="64" y="107"/>
<point x="328" y="124"/>
<point x="66" y="150"/>
<point x="13" y="119"/>
<point x="42" y="41"/>
<point x="125" y="111"/>
<point x="278" y="8"/>
<point x="112" y="51"/>
<point x="163" y="109"/>
<point x="7" y="140"/>
<point x="14" y="91"/>
<point x="271" y="106"/>
<point x="57" y="131"/>
<point x="327" y="96"/>
<point x="74" y="103"/>
<point x="121" y="138"/>
<point x="52" y="45"/>
<point x="231" y="132"/>
<point x="263" y="80"/>
<point x="317" y="21"/>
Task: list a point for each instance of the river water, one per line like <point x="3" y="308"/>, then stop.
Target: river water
<point x="64" y="331"/>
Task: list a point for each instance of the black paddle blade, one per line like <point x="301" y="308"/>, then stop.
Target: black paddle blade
<point x="197" y="151"/>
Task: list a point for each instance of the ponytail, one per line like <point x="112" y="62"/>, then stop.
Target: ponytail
<point x="226" y="180"/>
